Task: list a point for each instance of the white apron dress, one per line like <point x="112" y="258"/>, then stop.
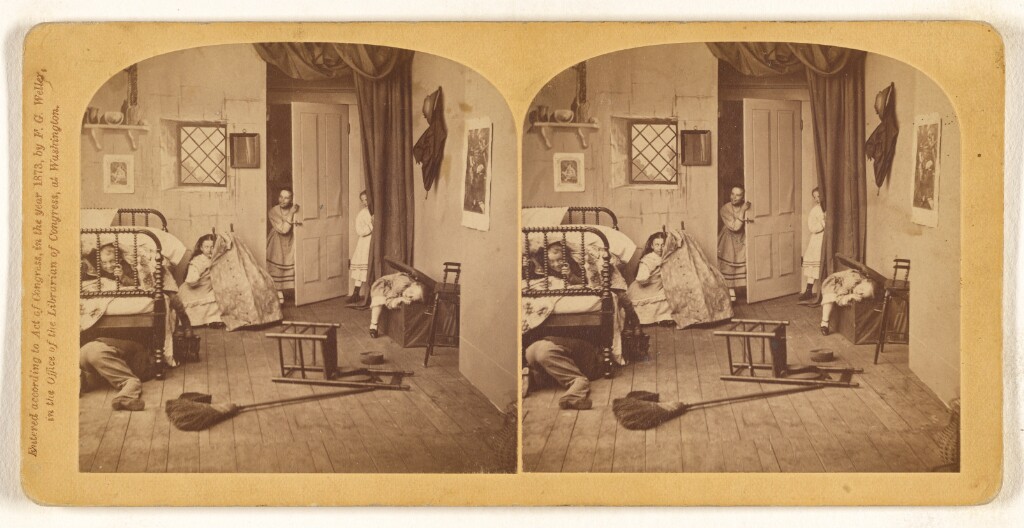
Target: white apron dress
<point x="361" y="256"/>
<point x="812" y="255"/>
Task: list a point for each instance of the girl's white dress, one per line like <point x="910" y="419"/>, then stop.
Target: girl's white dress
<point x="812" y="255"/>
<point x="647" y="293"/>
<point x="197" y="293"/>
<point x="361" y="256"/>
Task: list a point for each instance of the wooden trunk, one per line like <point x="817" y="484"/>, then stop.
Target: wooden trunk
<point x="409" y="324"/>
<point x="859" y="322"/>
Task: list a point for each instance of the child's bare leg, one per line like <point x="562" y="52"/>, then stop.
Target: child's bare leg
<point x="826" y="314"/>
<point x="374" y="318"/>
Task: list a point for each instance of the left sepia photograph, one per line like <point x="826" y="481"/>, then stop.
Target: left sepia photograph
<point x="287" y="265"/>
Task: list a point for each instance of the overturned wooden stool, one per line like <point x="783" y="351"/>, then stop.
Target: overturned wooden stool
<point x="307" y="342"/>
<point x="772" y="336"/>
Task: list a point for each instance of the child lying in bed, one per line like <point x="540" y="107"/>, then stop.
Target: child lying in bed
<point x="560" y="264"/>
<point x="110" y="267"/>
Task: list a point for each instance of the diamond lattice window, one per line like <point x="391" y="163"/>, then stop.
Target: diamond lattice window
<point x="202" y="158"/>
<point x="653" y="152"/>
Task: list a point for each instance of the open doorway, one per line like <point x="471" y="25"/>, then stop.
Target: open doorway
<point x="763" y="155"/>
<point x="280" y="260"/>
<point x="307" y="187"/>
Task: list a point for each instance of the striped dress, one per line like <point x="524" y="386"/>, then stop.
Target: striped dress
<point x="732" y="246"/>
<point x="280" y="253"/>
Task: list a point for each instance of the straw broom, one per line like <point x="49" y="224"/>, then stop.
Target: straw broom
<point x="194" y="411"/>
<point x="641" y="409"/>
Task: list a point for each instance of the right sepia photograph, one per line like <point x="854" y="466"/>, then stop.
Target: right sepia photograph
<point x="719" y="243"/>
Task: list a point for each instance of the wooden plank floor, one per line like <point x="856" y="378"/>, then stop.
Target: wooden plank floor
<point x="442" y="425"/>
<point x="888" y="424"/>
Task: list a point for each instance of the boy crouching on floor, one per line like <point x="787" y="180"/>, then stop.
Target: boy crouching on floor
<point x="570" y="362"/>
<point x="121" y="363"/>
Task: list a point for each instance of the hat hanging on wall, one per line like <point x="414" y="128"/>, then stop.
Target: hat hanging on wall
<point x="429" y="148"/>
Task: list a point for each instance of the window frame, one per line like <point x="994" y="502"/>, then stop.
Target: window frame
<point x="675" y="146"/>
<point x="180" y="165"/>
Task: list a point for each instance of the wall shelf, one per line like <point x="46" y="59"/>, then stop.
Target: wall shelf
<point x="545" y="130"/>
<point x="97" y="130"/>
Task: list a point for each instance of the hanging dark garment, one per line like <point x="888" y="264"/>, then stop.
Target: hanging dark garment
<point x="881" y="146"/>
<point x="429" y="148"/>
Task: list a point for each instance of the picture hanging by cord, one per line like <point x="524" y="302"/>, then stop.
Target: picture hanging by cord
<point x="695" y="147"/>
<point x="245" y="150"/>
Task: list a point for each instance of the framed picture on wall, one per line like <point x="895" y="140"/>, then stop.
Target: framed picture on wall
<point x="568" y="172"/>
<point x="924" y="206"/>
<point x="245" y="150"/>
<point x="476" y="186"/>
<point x="118" y="174"/>
<point x="695" y="147"/>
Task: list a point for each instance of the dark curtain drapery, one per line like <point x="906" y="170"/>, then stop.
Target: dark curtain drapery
<point x="383" y="80"/>
<point x="837" y="107"/>
<point x="835" y="81"/>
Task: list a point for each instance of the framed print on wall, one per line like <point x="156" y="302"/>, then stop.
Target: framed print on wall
<point x="476" y="186"/>
<point x="245" y="150"/>
<point x="118" y="174"/>
<point x="568" y="172"/>
<point x="695" y="147"/>
<point x="924" y="206"/>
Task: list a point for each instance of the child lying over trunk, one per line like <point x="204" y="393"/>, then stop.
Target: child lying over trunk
<point x="392" y="291"/>
<point x="843" y="288"/>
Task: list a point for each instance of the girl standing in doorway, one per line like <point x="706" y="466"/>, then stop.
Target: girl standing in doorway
<point x="812" y="255"/>
<point x="361" y="257"/>
<point x="280" y="253"/>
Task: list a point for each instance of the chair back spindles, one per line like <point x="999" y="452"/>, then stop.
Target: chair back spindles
<point x="901" y="265"/>
<point x="453" y="268"/>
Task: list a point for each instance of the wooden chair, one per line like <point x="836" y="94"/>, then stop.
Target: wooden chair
<point x="446" y="296"/>
<point x="895" y="306"/>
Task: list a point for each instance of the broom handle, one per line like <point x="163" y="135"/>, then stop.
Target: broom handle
<point x="752" y="396"/>
<point x="308" y="397"/>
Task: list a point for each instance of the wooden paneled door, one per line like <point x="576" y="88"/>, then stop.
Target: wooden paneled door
<point x="320" y="181"/>
<point x="771" y="173"/>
